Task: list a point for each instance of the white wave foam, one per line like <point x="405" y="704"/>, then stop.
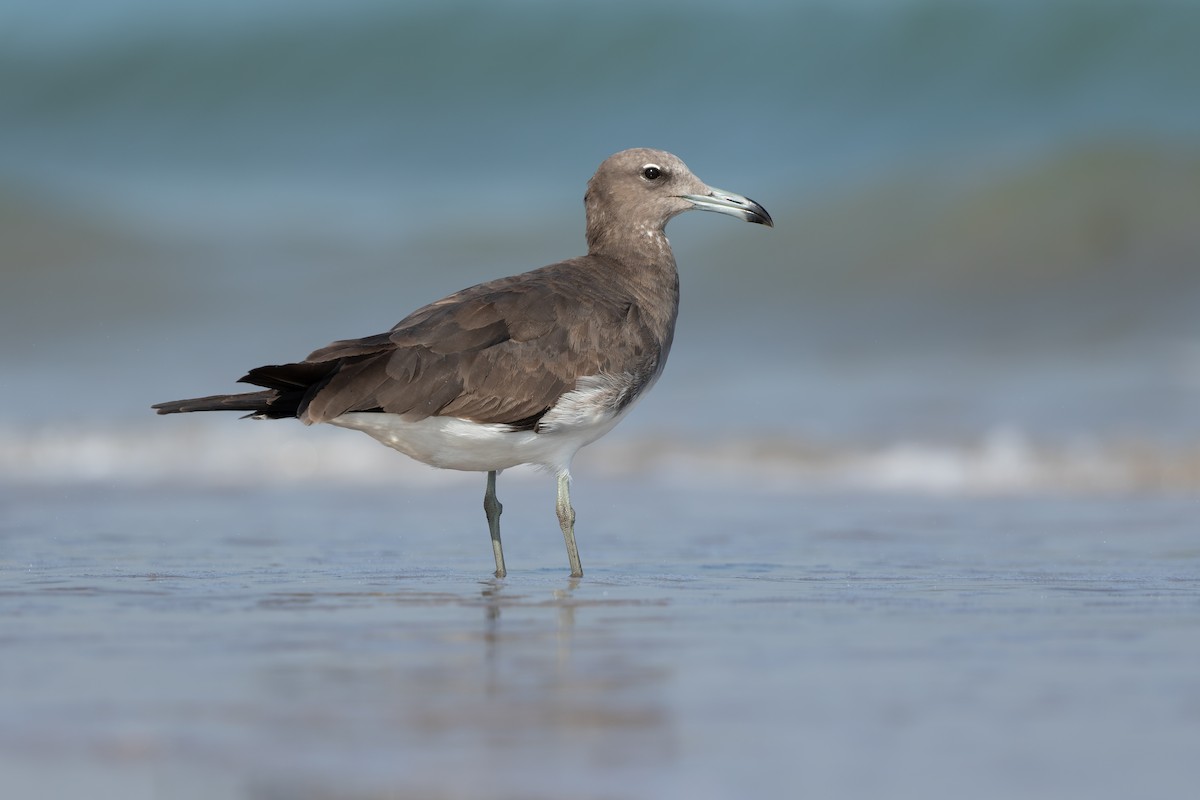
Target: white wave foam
<point x="1004" y="461"/>
<point x="245" y="454"/>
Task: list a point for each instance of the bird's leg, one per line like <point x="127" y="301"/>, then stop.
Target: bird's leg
<point x="492" y="507"/>
<point x="566" y="521"/>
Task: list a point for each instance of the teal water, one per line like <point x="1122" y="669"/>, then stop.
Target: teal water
<point x="985" y="210"/>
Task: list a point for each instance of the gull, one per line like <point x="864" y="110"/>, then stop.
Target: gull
<point x="525" y="369"/>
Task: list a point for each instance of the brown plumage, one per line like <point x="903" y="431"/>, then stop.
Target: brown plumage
<point x="558" y="351"/>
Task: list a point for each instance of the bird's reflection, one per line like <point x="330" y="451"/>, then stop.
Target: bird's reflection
<point x="497" y="595"/>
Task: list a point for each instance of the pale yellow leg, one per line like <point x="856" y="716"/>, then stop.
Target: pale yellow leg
<point x="566" y="521"/>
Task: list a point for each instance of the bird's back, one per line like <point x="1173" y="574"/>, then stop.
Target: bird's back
<point x="504" y="351"/>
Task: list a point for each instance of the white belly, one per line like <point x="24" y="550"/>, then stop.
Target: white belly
<point x="579" y="418"/>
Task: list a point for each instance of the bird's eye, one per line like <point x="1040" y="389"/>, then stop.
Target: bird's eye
<point x="651" y="172"/>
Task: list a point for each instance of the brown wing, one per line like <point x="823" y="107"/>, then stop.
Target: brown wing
<point x="503" y="351"/>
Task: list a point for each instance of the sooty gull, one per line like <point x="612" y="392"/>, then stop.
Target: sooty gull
<point x="520" y="370"/>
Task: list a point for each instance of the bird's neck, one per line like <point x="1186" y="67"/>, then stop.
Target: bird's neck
<point x="643" y="247"/>
<point x="643" y="260"/>
<point x="640" y="259"/>
<point x="642" y="263"/>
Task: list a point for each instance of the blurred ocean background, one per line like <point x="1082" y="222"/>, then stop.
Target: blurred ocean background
<point x="912" y="512"/>
<point x="984" y="273"/>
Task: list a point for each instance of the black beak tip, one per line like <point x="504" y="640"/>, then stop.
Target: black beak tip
<point x="759" y="216"/>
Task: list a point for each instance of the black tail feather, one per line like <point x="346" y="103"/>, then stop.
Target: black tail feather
<point x="256" y="402"/>
<point x="287" y="388"/>
<point x="289" y="377"/>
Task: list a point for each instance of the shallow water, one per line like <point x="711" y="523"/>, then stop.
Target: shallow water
<point x="193" y="642"/>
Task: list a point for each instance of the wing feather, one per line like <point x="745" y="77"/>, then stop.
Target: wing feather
<point x="503" y="352"/>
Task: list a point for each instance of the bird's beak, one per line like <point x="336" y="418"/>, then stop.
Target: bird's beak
<point x="732" y="204"/>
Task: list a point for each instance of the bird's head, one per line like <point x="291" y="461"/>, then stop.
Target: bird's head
<point x="637" y="191"/>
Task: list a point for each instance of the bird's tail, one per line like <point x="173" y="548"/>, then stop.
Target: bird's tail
<point x="255" y="402"/>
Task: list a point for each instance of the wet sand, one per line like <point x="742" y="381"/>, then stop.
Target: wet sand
<point x="312" y="643"/>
